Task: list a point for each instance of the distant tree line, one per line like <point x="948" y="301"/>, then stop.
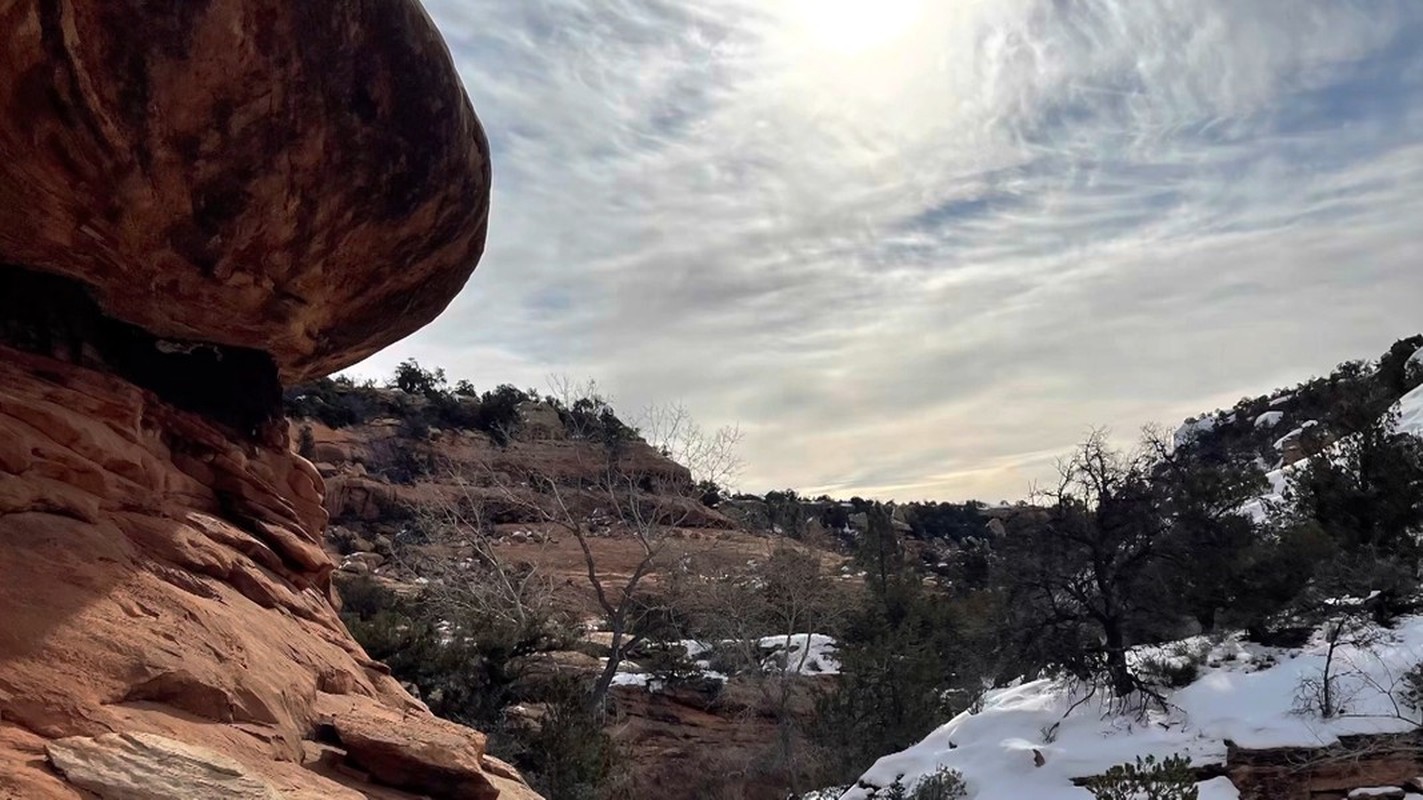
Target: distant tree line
<point x="422" y="399"/>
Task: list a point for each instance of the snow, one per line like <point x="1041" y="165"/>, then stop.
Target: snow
<point x="1374" y="791"/>
<point x="810" y="653"/>
<point x="637" y="679"/>
<point x="1259" y="509"/>
<point x="1269" y="419"/>
<point x="1245" y="692"/>
<point x="1281" y="400"/>
<point x="1410" y="412"/>
<point x="1280" y="442"/>
<point x="1194" y="428"/>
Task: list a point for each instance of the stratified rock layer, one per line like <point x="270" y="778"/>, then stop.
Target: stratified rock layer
<point x="157" y="576"/>
<point x="305" y="179"/>
<point x="142" y="766"/>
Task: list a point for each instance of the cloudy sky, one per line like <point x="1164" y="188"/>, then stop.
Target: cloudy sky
<point x="918" y="248"/>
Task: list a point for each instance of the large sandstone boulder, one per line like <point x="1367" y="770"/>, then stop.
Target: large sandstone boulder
<point x="194" y="198"/>
<point x="305" y="179"/>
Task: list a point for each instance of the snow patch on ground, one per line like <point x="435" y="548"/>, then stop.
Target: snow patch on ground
<point x="1245" y="693"/>
<point x="808" y="654"/>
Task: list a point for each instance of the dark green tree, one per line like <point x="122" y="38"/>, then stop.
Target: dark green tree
<point x="902" y="657"/>
<point x="411" y="378"/>
<point x="1077" y="575"/>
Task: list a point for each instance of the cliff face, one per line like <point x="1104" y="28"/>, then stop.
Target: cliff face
<point x="160" y="577"/>
<point x="193" y="204"/>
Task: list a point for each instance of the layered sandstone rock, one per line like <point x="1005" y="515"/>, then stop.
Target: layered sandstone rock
<point x="195" y="201"/>
<point x="143" y="766"/>
<point x="158" y="576"/>
<point x="305" y="179"/>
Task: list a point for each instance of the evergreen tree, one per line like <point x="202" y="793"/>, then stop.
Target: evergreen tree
<point x="901" y="670"/>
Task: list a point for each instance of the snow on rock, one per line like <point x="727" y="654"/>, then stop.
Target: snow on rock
<point x="1297" y="432"/>
<point x="1194" y="428"/>
<point x="808" y="653"/>
<point x="1269" y="419"/>
<point x="1372" y="792"/>
<point x="1259" y="509"/>
<point x="641" y="679"/>
<point x="1281" y="400"/>
<point x="1245" y="693"/>
<point x="1410" y="412"/>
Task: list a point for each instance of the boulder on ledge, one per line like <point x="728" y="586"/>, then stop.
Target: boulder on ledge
<point x="305" y="179"/>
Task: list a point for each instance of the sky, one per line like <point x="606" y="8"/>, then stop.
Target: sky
<point x="917" y="249"/>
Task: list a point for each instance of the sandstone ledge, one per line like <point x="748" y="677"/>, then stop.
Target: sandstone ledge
<point x="159" y="578"/>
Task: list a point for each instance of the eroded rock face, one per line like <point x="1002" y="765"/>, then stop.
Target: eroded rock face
<point x="305" y="179"/>
<point x="159" y="576"/>
<point x="197" y="199"/>
<point x="448" y="761"/>
<point x="1385" y="763"/>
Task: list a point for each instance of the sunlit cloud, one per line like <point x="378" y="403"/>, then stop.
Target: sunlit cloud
<point x="915" y="248"/>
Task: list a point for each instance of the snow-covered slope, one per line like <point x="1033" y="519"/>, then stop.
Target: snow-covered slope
<point x="1244" y="692"/>
<point x="1410" y="411"/>
<point x="1410" y="420"/>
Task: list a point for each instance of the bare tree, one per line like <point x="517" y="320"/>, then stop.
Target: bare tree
<point x="710" y="455"/>
<point x="783" y="599"/>
<point x="1076" y="571"/>
<point x="485" y="585"/>
<point x="608" y="483"/>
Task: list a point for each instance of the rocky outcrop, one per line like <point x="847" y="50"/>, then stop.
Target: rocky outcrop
<point x="447" y="763"/>
<point x="1385" y="764"/>
<point x="195" y="202"/>
<point x="307" y="180"/>
<point x="158" y="576"/>
<point x="688" y="741"/>
<point x="358" y="462"/>
<point x="141" y="766"/>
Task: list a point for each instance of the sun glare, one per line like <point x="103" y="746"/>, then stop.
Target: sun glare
<point x="852" y="26"/>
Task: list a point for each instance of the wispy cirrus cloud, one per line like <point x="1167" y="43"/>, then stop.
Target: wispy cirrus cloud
<point x="917" y="248"/>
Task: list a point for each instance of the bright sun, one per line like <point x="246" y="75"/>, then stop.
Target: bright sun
<point x="852" y="26"/>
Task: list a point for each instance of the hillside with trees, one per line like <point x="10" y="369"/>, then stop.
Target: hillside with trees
<point x="539" y="567"/>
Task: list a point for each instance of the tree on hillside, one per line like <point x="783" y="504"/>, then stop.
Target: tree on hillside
<point x="1076" y="575"/>
<point x="1398" y="372"/>
<point x="1365" y="493"/>
<point x="756" y="618"/>
<point x="1204" y="552"/>
<point x="712" y="455"/>
<point x="906" y="663"/>
<point x="606" y="489"/>
<point x="411" y="378"/>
